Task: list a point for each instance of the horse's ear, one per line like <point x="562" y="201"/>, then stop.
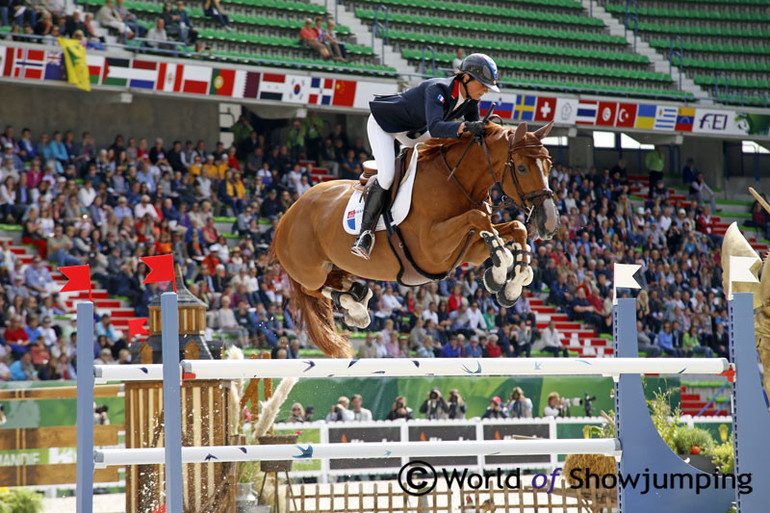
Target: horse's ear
<point x="521" y="131"/>
<point x="544" y="130"/>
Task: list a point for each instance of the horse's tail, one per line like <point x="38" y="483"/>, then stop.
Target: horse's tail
<point x="317" y="316"/>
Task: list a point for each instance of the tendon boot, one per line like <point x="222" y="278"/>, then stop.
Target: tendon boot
<point x="375" y="201"/>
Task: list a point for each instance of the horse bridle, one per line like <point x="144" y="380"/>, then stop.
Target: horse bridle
<point x="528" y="202"/>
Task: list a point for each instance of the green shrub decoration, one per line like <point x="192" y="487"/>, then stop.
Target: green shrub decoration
<point x="723" y="456"/>
<point x="663" y="417"/>
<point x="686" y="437"/>
<point x="20" y="500"/>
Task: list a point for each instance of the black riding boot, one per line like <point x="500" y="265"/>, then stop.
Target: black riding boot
<point x="375" y="201"/>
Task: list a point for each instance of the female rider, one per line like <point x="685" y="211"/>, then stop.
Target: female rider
<point x="424" y="111"/>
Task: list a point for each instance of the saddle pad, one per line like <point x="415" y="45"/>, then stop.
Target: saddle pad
<point x="399" y="210"/>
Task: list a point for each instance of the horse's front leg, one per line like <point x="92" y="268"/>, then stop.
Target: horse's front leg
<point x="520" y="273"/>
<point x="489" y="245"/>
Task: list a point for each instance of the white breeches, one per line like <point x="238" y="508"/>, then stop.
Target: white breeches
<point x="382" y="144"/>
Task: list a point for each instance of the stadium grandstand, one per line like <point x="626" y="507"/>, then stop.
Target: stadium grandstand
<point x="191" y="128"/>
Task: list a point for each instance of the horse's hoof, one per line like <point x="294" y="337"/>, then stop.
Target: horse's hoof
<point x="360" y="323"/>
<point x="490" y="284"/>
<point x="510" y="293"/>
<point x="528" y="275"/>
<point x="503" y="301"/>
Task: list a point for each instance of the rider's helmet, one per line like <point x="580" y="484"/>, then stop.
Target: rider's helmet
<point x="481" y="67"/>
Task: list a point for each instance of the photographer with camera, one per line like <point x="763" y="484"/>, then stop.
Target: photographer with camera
<point x="340" y="412"/>
<point x="495" y="410"/>
<point x="555" y="406"/>
<point x="400" y="410"/>
<point x="434" y="407"/>
<point x="456" y="405"/>
<point x="519" y="406"/>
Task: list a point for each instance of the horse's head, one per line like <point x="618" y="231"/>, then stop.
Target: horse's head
<point x="525" y="178"/>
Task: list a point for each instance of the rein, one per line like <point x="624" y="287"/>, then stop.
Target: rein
<point x="528" y="201"/>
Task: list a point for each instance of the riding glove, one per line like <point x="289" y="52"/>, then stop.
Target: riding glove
<point x="475" y="127"/>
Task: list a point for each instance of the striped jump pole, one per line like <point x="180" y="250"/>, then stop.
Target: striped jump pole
<point x="403" y="367"/>
<point x="607" y="446"/>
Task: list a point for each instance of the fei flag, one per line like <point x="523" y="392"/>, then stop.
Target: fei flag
<point x="75" y="61"/>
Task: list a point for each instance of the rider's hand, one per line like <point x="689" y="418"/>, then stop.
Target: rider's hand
<point x="475" y="127"/>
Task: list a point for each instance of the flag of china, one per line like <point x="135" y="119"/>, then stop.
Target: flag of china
<point x="344" y="93"/>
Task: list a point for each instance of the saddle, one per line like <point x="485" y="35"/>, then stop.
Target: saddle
<point x="410" y="274"/>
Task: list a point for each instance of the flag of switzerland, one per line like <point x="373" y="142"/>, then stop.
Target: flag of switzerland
<point x="546" y="107"/>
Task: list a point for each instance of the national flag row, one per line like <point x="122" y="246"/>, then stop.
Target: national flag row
<point x="597" y="113"/>
<point x="142" y="73"/>
<point x="230" y="83"/>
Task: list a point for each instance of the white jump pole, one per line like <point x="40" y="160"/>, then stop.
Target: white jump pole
<point x="149" y="372"/>
<point x="607" y="446"/>
<point x="403" y="367"/>
<point x="407" y="367"/>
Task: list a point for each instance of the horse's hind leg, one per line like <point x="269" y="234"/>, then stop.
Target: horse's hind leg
<point x="351" y="296"/>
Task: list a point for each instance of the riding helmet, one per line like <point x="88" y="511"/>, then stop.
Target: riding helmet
<point x="481" y="67"/>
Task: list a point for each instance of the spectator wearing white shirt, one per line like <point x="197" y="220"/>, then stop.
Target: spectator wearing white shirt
<point x="553" y="408"/>
<point x="303" y="185"/>
<point x="431" y="314"/>
<point x="360" y="413"/>
<point x="476" y="320"/>
<point x="145" y="207"/>
<point x="552" y="339"/>
<point x="389" y="303"/>
<point x="156" y="36"/>
<point x="87" y="194"/>
<point x="382" y="349"/>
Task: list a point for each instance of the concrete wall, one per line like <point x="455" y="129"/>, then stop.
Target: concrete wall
<point x="46" y="109"/>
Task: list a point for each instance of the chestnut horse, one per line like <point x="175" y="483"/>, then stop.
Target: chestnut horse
<point x="447" y="217"/>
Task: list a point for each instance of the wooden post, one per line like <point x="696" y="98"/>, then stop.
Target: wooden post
<point x="146" y="353"/>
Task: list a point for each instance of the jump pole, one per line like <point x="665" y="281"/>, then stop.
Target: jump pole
<point x="403" y="367"/>
<point x="85" y="408"/>
<point x="172" y="402"/>
<point x="607" y="446"/>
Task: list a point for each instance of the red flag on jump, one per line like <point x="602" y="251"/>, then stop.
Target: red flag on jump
<point x="136" y="327"/>
<point x="161" y="269"/>
<point x="79" y="277"/>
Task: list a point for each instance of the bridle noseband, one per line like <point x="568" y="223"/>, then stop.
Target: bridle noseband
<point x="527" y="202"/>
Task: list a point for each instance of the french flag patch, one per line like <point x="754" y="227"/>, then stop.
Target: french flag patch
<point x="440" y="98"/>
<point x="351" y="219"/>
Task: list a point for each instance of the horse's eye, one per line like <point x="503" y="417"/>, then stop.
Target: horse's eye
<point x="522" y="169"/>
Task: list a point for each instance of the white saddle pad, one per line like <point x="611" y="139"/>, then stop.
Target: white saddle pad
<point x="351" y="220"/>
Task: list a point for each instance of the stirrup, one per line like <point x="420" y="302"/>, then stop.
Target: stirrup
<point x="359" y="249"/>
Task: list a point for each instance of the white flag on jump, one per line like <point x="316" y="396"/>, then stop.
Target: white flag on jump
<point x="624" y="278"/>
<point x="740" y="271"/>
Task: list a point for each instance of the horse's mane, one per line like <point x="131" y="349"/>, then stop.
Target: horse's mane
<point x="432" y="147"/>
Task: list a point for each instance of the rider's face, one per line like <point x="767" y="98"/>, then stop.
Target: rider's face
<point x="476" y="89"/>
